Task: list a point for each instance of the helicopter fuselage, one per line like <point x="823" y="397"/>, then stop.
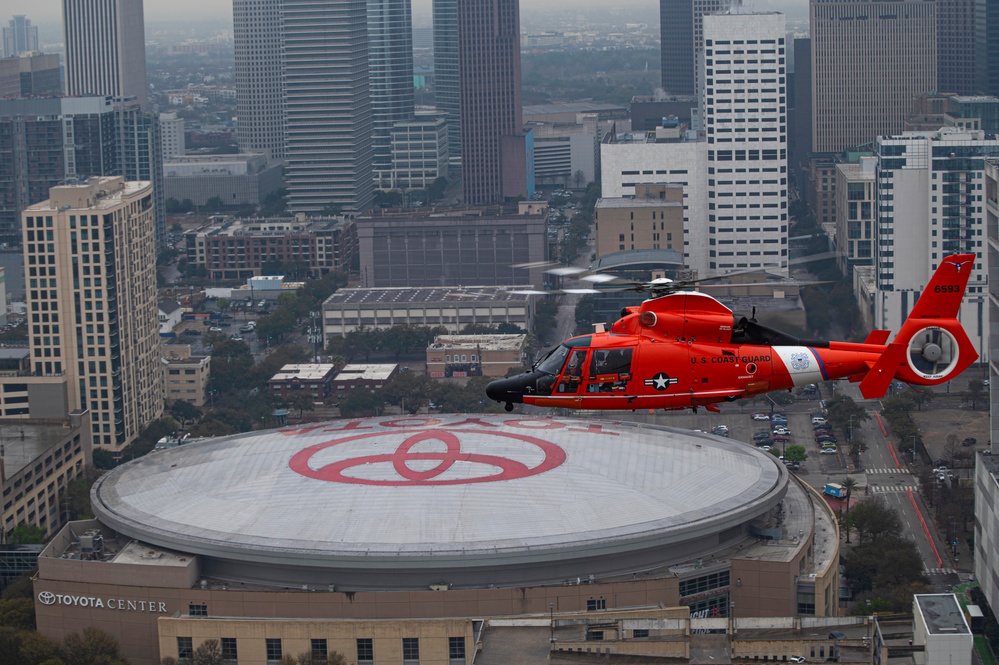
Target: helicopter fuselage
<point x="687" y="350"/>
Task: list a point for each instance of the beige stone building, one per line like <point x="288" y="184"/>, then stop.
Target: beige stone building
<point x="856" y="221"/>
<point x="652" y="219"/>
<point x="90" y="273"/>
<point x="475" y="355"/>
<point x="187" y="379"/>
<point x="39" y="460"/>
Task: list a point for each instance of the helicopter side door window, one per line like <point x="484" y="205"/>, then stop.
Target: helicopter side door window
<point x="573" y="375"/>
<point x="610" y="370"/>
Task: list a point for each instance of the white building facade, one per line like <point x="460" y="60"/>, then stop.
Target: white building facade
<point x="930" y="204"/>
<point x="745" y="121"/>
<point x="172" y="135"/>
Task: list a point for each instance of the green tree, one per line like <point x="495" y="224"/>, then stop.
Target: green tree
<point x="795" y="453"/>
<point x="92" y="646"/>
<point x="975" y="389"/>
<point x="409" y="390"/>
<point x="183" y="411"/>
<point x="18" y="613"/>
<point x="301" y="401"/>
<point x="214" y="204"/>
<point x="231" y="361"/>
<point x="36" y="648"/>
<point x="437" y="189"/>
<point x="27" y="534"/>
<point x="360" y="402"/>
<point x="77" y="498"/>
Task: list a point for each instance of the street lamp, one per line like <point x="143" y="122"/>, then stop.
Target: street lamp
<point x="913" y="448"/>
<point x="551" y="611"/>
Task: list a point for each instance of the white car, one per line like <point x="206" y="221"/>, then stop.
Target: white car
<point x="818" y="420"/>
<point x="759" y="416"/>
<point x="781" y="430"/>
<point x="827" y="451"/>
<point x="795" y="659"/>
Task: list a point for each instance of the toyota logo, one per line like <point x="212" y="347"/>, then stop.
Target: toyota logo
<point x="428" y="457"/>
<point x="46" y="598"/>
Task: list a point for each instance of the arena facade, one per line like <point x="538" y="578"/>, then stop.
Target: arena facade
<point x="402" y="540"/>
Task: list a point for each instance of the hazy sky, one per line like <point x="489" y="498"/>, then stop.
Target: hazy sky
<point x="47" y="12"/>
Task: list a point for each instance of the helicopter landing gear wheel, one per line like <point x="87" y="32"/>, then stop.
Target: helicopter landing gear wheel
<point x="508" y="407"/>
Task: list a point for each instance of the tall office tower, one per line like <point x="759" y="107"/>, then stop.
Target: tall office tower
<point x="19" y="37"/>
<point x="140" y="147"/>
<point x="890" y="46"/>
<point x="172" y="136"/>
<point x="90" y="272"/>
<point x="928" y="206"/>
<point x="682" y="39"/>
<point x="46" y="141"/>
<point x="257" y="39"/>
<point x="390" y="71"/>
<point x="956" y="46"/>
<point x="987" y="47"/>
<point x="447" y="93"/>
<point x="105" y="48"/>
<point x="745" y="119"/>
<point x="493" y="152"/>
<point x="327" y="105"/>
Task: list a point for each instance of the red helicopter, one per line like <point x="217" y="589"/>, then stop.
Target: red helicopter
<point x="684" y="350"/>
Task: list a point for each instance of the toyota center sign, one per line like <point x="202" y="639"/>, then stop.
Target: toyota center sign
<point x="110" y="603"/>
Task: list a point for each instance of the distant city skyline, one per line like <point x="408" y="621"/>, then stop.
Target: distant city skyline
<point x="42" y="12"/>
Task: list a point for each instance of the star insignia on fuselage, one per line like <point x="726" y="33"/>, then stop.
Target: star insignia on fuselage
<point x="661" y="381"/>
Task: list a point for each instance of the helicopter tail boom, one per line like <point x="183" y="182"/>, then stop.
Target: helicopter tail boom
<point x="931" y="347"/>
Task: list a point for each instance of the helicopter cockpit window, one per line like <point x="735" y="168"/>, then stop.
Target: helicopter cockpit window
<point x="553" y="362"/>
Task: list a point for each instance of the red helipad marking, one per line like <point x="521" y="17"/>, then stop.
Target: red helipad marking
<point x="401" y="458"/>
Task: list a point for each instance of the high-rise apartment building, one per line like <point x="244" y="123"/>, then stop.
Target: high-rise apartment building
<point x="869" y="61"/>
<point x="447" y="93"/>
<point x="45" y="141"/>
<point x="390" y="71"/>
<point x="956" y="46"/>
<point x="257" y="31"/>
<point x="140" y="147"/>
<point x="29" y="75"/>
<point x="682" y="38"/>
<point x="745" y="119"/>
<point x="19" y="37"/>
<point x="929" y="205"/>
<point x="495" y="153"/>
<point x="90" y="273"/>
<point x="105" y="49"/>
<point x="327" y="106"/>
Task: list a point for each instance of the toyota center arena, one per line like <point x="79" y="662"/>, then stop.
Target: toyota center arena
<point x="345" y="535"/>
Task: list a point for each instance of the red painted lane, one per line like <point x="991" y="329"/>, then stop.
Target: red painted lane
<point x="877" y="416"/>
<point x="926" y="529"/>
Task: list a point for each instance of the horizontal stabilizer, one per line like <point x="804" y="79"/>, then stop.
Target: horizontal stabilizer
<point x="875" y="384"/>
<point x="878" y="337"/>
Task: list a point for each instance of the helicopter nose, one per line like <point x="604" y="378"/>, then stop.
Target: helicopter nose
<point x="506" y="390"/>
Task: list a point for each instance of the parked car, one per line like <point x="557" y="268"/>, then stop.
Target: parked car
<point x="763" y="434"/>
<point x="795" y="659"/>
<point x="237" y="338"/>
<point x="970" y="441"/>
<point x="193" y="332"/>
<point x="245" y="329"/>
<point x="781" y="430"/>
<point x="215" y="329"/>
<point x="764" y="443"/>
<point x="759" y="416"/>
<point x="827" y="451"/>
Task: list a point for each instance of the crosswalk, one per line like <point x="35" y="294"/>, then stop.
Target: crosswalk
<point x="941" y="571"/>
<point x="884" y="489"/>
<point x="888" y="470"/>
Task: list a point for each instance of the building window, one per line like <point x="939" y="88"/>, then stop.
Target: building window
<point x="197" y="610"/>
<point x="274" y="654"/>
<point x="185" y="649"/>
<point x="410" y="650"/>
<point x="456" y="650"/>
<point x="365" y="651"/>
<point x="640" y="632"/>
<point x="593" y="605"/>
<point x="319" y="652"/>
<point x="229" y="654"/>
